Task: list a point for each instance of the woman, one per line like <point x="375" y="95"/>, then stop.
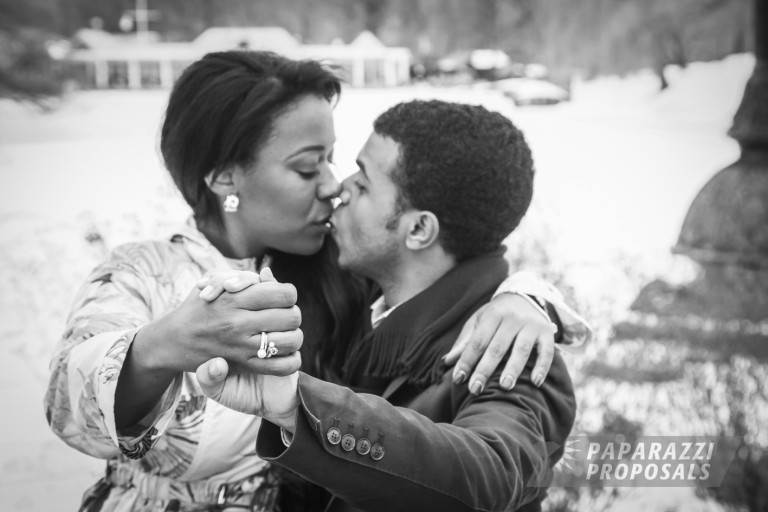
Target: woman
<point x="248" y="139"/>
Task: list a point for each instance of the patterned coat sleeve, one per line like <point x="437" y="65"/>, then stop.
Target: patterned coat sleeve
<point x="108" y="310"/>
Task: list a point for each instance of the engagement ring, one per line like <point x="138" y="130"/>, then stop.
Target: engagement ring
<point x="262" y="353"/>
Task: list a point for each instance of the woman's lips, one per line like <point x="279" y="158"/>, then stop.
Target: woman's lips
<point x="326" y="223"/>
<point x="331" y="225"/>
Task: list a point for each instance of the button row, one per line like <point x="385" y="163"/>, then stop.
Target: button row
<point x="348" y="443"/>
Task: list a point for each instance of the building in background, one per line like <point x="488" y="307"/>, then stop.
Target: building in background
<point x="99" y="60"/>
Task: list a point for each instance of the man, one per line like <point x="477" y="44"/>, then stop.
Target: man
<point x="440" y="186"/>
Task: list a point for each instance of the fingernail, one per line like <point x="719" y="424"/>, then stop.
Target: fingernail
<point x="216" y="368"/>
<point x="459" y="376"/>
<point x="206" y="292"/>
<point x="476" y="387"/>
<point x="538" y="379"/>
<point x="507" y="382"/>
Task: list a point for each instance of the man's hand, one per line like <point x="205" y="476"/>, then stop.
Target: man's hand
<point x="487" y="336"/>
<point x="272" y="398"/>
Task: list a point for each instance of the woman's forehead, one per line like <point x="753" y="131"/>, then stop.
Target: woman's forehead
<point x="305" y="115"/>
<point x="307" y="123"/>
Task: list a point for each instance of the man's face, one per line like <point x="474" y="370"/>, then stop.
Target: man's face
<point x="366" y="228"/>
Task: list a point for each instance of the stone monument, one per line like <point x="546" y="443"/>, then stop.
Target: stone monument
<point x="725" y="233"/>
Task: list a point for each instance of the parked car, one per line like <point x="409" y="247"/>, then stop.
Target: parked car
<point x="531" y="91"/>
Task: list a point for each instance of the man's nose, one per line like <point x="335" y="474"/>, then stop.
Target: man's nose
<point x="345" y="195"/>
<point x="343" y="198"/>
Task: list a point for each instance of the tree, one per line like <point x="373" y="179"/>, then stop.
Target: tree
<point x="374" y="12"/>
<point x="27" y="72"/>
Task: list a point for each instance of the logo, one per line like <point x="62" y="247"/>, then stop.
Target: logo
<point x="645" y="461"/>
<point x="569" y="460"/>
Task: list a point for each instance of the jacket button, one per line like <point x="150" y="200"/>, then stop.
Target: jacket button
<point x="348" y="442"/>
<point x="377" y="451"/>
<point x="363" y="446"/>
<point x="333" y="435"/>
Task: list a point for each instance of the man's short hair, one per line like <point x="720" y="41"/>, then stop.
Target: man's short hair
<point x="469" y="166"/>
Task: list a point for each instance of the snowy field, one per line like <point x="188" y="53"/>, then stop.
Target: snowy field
<point x="617" y="169"/>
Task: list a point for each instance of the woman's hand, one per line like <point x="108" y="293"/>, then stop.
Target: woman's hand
<point x="197" y="331"/>
<point x="216" y="282"/>
<point x="230" y="327"/>
<point x="487" y="336"/>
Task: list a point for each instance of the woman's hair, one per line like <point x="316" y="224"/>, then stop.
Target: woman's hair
<point x="331" y="302"/>
<point x="221" y="111"/>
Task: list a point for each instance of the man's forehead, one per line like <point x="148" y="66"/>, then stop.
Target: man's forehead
<point x="379" y="155"/>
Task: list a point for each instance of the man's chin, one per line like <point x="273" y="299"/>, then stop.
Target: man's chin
<point x="342" y="261"/>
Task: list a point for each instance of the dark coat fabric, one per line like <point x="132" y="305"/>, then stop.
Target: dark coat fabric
<point x="427" y="444"/>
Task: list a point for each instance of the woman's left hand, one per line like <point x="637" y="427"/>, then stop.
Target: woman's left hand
<point x="486" y="339"/>
<point x="216" y="282"/>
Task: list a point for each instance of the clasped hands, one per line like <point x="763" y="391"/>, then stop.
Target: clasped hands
<point x="268" y="387"/>
<point x="271" y="392"/>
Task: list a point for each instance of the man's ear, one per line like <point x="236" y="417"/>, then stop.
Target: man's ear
<point x="423" y="230"/>
<point x="223" y="184"/>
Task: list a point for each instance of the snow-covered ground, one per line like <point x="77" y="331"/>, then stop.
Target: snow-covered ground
<point x="617" y="169"/>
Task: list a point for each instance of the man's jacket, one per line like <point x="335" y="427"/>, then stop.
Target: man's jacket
<point x="428" y="444"/>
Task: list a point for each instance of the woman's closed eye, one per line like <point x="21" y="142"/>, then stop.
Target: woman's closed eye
<point x="310" y="169"/>
<point x="308" y="174"/>
<point x="307" y="170"/>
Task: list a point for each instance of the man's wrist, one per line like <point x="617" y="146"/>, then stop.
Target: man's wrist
<point x="286" y="420"/>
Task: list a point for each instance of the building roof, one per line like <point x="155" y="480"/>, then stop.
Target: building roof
<point x="253" y="38"/>
<point x="102" y="46"/>
<point x="367" y="39"/>
<point x="93" y="38"/>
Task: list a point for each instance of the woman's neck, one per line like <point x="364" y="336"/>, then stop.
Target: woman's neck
<point x="228" y="240"/>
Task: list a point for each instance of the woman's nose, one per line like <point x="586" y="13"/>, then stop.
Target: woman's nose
<point x="329" y="187"/>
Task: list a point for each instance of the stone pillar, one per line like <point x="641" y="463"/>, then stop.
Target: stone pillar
<point x="358" y="72"/>
<point x="390" y="71"/>
<point x="693" y="359"/>
<point x="166" y="74"/>
<point x="726" y="233"/>
<point x="101" y="74"/>
<point x="134" y="74"/>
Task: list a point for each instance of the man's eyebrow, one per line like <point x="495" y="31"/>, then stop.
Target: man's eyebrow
<point x="361" y="165"/>
<point x="306" y="149"/>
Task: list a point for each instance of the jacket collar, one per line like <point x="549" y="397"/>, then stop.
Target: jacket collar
<point x="412" y="339"/>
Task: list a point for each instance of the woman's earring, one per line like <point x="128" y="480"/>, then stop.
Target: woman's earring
<point x="231" y="203"/>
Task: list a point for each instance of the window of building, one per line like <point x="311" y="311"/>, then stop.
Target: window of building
<point x="117" y="72"/>
<point x="150" y="74"/>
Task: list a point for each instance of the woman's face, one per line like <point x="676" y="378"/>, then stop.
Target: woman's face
<point x="285" y="195"/>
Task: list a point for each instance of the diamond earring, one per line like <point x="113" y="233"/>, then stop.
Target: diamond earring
<point x="231" y="203"/>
